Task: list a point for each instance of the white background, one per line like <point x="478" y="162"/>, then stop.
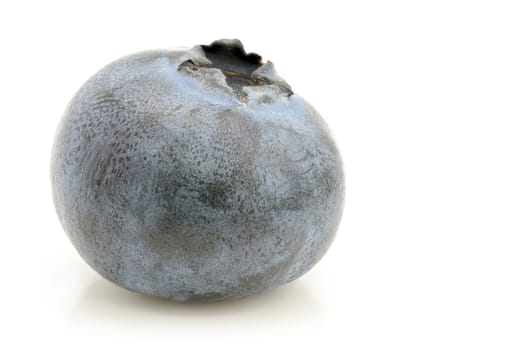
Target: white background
<point x="427" y="102"/>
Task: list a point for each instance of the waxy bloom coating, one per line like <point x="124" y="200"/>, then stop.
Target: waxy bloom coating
<point x="196" y="175"/>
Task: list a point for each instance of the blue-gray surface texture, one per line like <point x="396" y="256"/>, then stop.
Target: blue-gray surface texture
<point x="184" y="178"/>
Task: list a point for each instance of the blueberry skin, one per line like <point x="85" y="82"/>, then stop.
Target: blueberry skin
<point x="172" y="181"/>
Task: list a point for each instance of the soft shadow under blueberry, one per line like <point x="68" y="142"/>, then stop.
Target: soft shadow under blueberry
<point x="103" y="302"/>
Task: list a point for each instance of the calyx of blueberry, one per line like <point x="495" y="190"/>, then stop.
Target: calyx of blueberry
<point x="240" y="69"/>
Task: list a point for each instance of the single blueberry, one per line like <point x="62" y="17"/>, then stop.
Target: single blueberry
<point x="196" y="175"/>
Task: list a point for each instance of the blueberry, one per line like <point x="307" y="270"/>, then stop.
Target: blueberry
<point x="196" y="175"/>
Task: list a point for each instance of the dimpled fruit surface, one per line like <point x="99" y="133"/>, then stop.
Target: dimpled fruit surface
<point x="196" y="174"/>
